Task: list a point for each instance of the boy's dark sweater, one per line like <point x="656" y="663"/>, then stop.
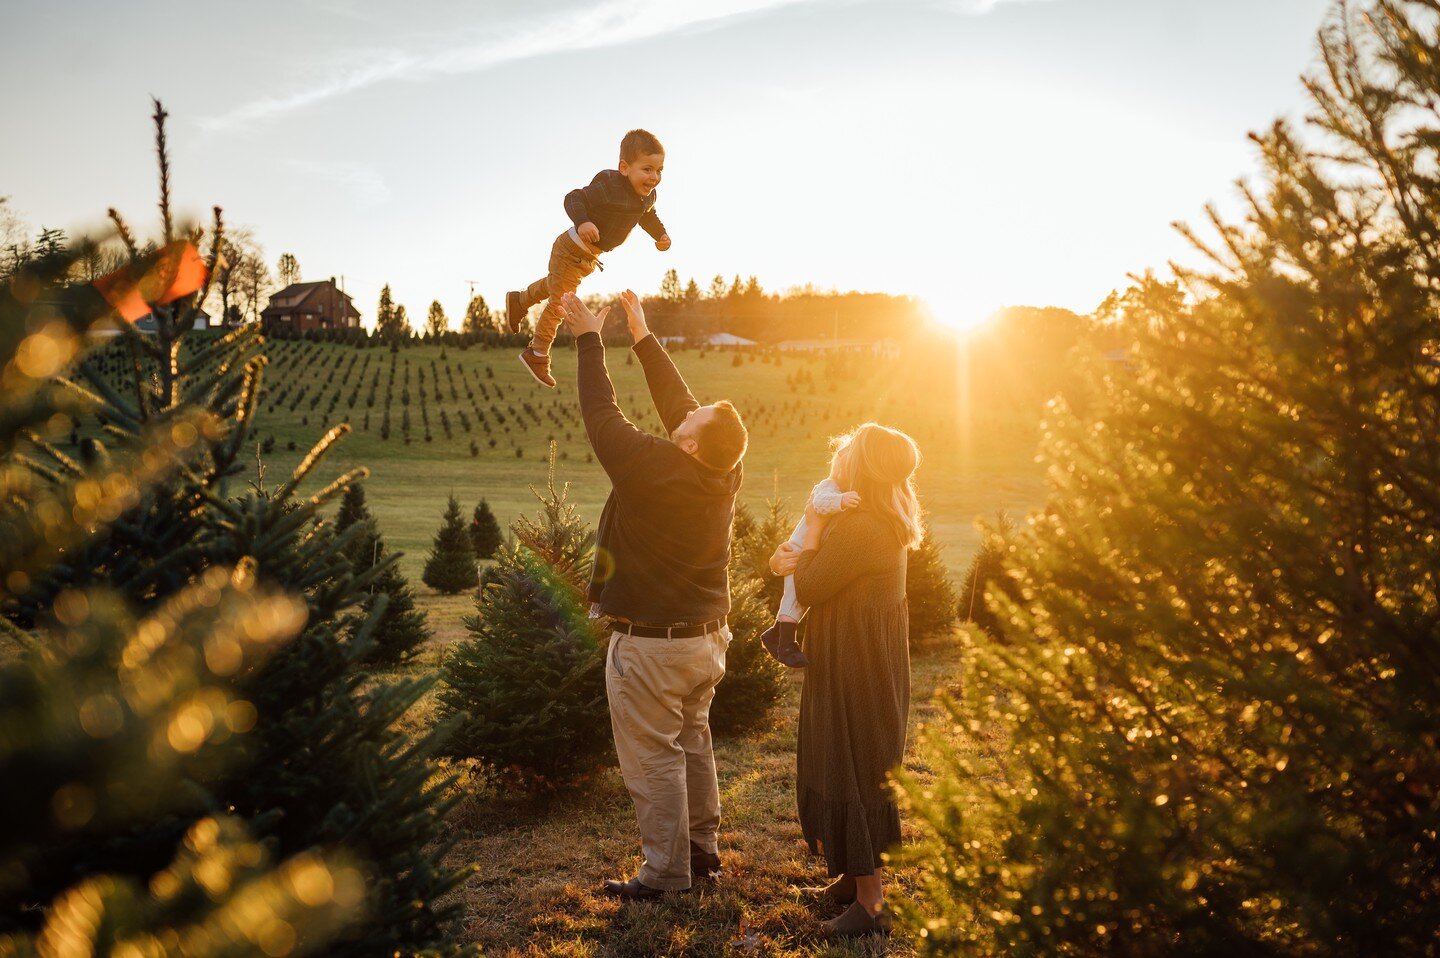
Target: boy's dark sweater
<point x="612" y="204"/>
<point x="663" y="545"/>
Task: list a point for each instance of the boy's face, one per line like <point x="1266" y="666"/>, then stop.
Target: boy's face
<point x="644" y="172"/>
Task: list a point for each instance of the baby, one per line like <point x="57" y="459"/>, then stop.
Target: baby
<point x="604" y="213"/>
<point x="828" y="499"/>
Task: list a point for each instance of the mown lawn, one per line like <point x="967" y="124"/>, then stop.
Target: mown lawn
<point x="539" y="865"/>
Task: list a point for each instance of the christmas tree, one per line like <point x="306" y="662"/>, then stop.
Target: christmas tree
<point x="450" y="567"/>
<point x="530" y="677"/>
<point x="754" y="680"/>
<point x="319" y="758"/>
<point x="929" y="591"/>
<point x="484" y="532"/>
<point x="400" y="629"/>
<point x="1222" y="662"/>
<point x="986" y="571"/>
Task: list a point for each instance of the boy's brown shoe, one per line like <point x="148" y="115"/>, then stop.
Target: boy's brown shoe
<point x="539" y="367"/>
<point x="514" y="311"/>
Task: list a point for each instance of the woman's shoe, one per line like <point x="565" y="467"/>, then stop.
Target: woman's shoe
<point x="839" y="893"/>
<point x="857" y="922"/>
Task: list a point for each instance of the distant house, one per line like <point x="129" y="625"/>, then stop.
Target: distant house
<point x="146" y="324"/>
<point x="714" y="339"/>
<point x="879" y="347"/>
<point x="305" y="306"/>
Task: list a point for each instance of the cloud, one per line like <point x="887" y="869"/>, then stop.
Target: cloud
<point x="982" y="7"/>
<point x="365" y="183"/>
<point x="606" y="24"/>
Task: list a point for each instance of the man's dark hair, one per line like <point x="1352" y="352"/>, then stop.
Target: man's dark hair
<point x="637" y="143"/>
<point x="722" y="441"/>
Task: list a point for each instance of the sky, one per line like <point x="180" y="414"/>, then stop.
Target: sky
<point x="976" y="153"/>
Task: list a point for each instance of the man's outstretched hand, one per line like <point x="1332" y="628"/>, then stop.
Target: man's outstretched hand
<point x="578" y="318"/>
<point x="635" y="315"/>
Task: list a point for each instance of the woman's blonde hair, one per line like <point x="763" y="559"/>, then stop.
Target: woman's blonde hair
<point x="880" y="465"/>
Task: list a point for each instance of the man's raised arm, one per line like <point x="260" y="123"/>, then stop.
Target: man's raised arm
<point x="672" y="397"/>
<point x="617" y="442"/>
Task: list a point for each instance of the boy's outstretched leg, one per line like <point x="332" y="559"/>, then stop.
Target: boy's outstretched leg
<point x="568" y="266"/>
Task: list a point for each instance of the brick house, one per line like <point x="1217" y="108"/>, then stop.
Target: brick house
<point x="304" y="306"/>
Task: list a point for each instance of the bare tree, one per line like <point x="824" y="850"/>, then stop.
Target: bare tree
<point x="252" y="284"/>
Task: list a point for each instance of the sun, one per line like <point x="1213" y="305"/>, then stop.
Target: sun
<point x="959" y="315"/>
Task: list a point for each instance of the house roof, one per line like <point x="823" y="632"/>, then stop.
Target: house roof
<point x="295" y="295"/>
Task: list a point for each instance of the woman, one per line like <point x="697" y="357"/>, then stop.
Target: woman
<point x="850" y="570"/>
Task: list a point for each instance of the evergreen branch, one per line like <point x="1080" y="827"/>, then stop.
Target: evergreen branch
<point x="312" y="459"/>
<point x="124" y="231"/>
<point x="163" y="155"/>
<point x="115" y="406"/>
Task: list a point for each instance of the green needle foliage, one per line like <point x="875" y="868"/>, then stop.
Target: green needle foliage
<point x="929" y="591"/>
<point x="1220" y="681"/>
<point x="450" y="567"/>
<point x="320" y="760"/>
<point x="529" y="680"/>
<point x="986" y="571"/>
<point x="400" y="630"/>
<point x="485" y="532"/>
<point x="119" y="723"/>
<point x="754" y="681"/>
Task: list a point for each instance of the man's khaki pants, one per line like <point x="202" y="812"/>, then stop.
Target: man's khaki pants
<point x="660" y="691"/>
<point x="569" y="264"/>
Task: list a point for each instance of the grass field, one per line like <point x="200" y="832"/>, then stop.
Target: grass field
<point x="978" y="455"/>
<point x="536" y="891"/>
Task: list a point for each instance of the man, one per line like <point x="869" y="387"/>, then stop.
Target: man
<point x="661" y="576"/>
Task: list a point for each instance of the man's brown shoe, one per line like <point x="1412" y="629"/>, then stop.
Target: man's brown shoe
<point x="633" y="890"/>
<point x="857" y="922"/>
<point x="704" y="866"/>
<point x="514" y="311"/>
<point x="539" y="367"/>
<point x="839" y="893"/>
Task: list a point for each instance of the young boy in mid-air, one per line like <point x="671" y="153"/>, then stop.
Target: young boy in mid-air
<point x="604" y="213"/>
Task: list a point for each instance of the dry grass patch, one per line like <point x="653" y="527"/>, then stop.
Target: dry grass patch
<point x="540" y="862"/>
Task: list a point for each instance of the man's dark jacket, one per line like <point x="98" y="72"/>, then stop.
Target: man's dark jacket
<point x="663" y="546"/>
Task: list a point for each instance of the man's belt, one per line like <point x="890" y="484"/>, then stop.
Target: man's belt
<point x="667" y="631"/>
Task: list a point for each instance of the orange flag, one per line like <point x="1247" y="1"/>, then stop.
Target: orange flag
<point x="175" y="270"/>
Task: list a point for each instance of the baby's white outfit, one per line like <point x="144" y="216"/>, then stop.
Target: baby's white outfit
<point x="827" y="499"/>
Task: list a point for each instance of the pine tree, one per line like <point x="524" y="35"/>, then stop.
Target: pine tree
<point x="1224" y="691"/>
<point x="436" y="321"/>
<point x="450" y="567"/>
<point x="152" y="602"/>
<point x="530" y="677"/>
<point x="478" y="318"/>
<point x="986" y="571"/>
<point x="929" y="591"/>
<point x="288" y="269"/>
<point x="385" y="314"/>
<point x="401" y="323"/>
<point x="400" y="630"/>
<point x="484" y="531"/>
<point x="754" y="681"/>
<point x="670" y="289"/>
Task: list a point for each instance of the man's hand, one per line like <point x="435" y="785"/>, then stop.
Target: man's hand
<point x="589" y="232"/>
<point x="850" y="500"/>
<point x="663" y="243"/>
<point x="578" y="318"/>
<point x="635" y="315"/>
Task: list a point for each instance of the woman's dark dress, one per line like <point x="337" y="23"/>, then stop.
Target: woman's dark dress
<point x="856" y="697"/>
